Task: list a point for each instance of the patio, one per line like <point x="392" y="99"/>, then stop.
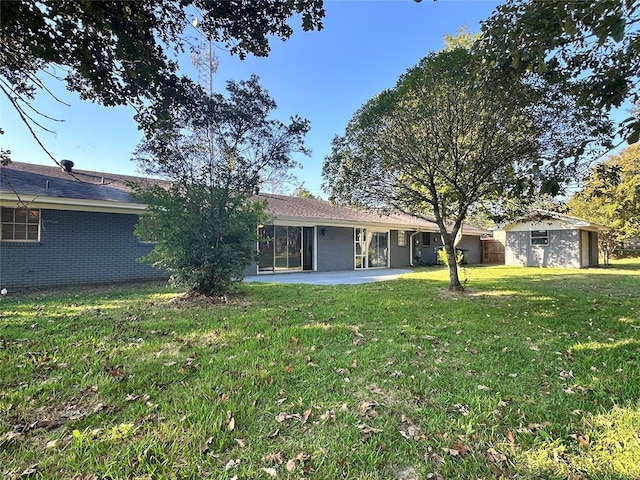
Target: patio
<point x="332" y="278"/>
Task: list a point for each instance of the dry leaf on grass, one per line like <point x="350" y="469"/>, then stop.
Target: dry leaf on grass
<point x="367" y="409"/>
<point x="207" y="444"/>
<point x="274" y="458"/>
<point x="230" y="422"/>
<point x="367" y="431"/>
<point x="493" y="456"/>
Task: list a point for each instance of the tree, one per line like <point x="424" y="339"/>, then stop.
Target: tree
<point x="205" y="221"/>
<point x="117" y="52"/>
<point x="590" y="47"/>
<point x="611" y="197"/>
<point x="443" y="140"/>
<point x="303" y="192"/>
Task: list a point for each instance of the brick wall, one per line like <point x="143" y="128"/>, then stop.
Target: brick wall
<point x="335" y="249"/>
<point x="77" y="248"/>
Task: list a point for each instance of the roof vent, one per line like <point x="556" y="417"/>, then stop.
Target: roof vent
<point x="67" y="165"/>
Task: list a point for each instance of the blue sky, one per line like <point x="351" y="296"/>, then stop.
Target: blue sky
<point x="322" y="76"/>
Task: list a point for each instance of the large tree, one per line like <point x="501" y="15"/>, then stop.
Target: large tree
<point x="214" y="154"/>
<point x="589" y="47"/>
<point x="121" y="52"/>
<point x="443" y="140"/>
<point x="611" y="197"/>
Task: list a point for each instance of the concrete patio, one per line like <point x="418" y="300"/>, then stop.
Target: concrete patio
<point x="331" y="278"/>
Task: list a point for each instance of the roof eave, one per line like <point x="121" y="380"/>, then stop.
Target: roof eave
<point x="58" y="203"/>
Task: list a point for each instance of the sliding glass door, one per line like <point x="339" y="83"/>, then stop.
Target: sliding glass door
<point x="280" y="248"/>
<point x="378" y="252"/>
<point x="371" y="249"/>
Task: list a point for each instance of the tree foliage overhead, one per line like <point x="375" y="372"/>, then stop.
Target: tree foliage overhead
<point x="118" y="52"/>
<point x="214" y="153"/>
<point x="443" y="140"/>
<point x="590" y="47"/>
<point x="611" y="197"/>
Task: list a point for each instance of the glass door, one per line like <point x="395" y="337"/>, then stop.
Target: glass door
<point x="378" y="252"/>
<point x="280" y="248"/>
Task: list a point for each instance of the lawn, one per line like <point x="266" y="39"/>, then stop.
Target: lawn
<point x="532" y="373"/>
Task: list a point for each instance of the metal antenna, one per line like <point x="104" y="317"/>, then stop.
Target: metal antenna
<point x="205" y="60"/>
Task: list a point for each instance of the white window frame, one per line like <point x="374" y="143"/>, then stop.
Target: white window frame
<point x="5" y="224"/>
<point x="537" y="238"/>
<point x="402" y="238"/>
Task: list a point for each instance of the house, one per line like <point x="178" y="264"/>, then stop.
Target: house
<point x="63" y="226"/>
<point x="549" y="239"/>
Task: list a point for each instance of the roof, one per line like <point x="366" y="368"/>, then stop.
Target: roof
<point x="291" y="209"/>
<point x="555" y="219"/>
<point x="42" y="186"/>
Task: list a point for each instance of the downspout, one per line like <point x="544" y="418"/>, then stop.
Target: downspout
<point x="411" y="247"/>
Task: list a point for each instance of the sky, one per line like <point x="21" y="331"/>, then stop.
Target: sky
<point x="323" y="76"/>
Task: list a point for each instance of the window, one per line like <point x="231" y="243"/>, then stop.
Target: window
<point x="426" y="238"/>
<point x="20" y="224"/>
<point x="402" y="238"/>
<point x="540" y="237"/>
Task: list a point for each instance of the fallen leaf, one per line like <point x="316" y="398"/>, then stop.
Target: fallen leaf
<point x="366" y="409"/>
<point x="366" y="431"/>
<point x="231" y="464"/>
<point x="302" y="457"/>
<point x="270" y="471"/>
<point x="205" y="448"/>
<point x="581" y="439"/>
<point x="306" y="415"/>
<point x="53" y="443"/>
<point x="291" y="466"/>
<point x="230" y="422"/>
<point x="283" y="416"/>
<point x="10" y="437"/>
<point x="510" y="437"/>
<point x="328" y="415"/>
<point x="30" y="470"/>
<point x="495" y="456"/>
<point x="273" y="458"/>
<point x="458" y="449"/>
<point x="241" y="441"/>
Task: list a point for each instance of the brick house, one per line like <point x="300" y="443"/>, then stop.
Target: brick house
<point x="63" y="226"/>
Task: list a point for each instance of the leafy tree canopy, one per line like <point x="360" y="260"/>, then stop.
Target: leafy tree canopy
<point x="590" y="47"/>
<point x="443" y="140"/>
<point x="611" y="197"/>
<point x="303" y="192"/>
<point x="215" y="153"/>
<point x="117" y="52"/>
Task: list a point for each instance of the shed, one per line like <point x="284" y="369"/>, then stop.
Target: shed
<point x="549" y="239"/>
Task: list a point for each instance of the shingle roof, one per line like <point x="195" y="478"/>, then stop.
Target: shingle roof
<point x="54" y="182"/>
<point x="47" y="181"/>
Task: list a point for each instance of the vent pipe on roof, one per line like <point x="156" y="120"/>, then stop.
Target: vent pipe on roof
<point x="67" y="165"/>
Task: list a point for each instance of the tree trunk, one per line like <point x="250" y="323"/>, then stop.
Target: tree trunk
<point x="454" y="280"/>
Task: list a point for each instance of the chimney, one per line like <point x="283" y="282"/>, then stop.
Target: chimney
<point x="67" y="165"/>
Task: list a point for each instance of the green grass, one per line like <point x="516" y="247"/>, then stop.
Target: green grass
<point x="533" y="373"/>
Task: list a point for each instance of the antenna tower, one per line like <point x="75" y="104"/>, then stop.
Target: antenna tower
<point x="206" y="62"/>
